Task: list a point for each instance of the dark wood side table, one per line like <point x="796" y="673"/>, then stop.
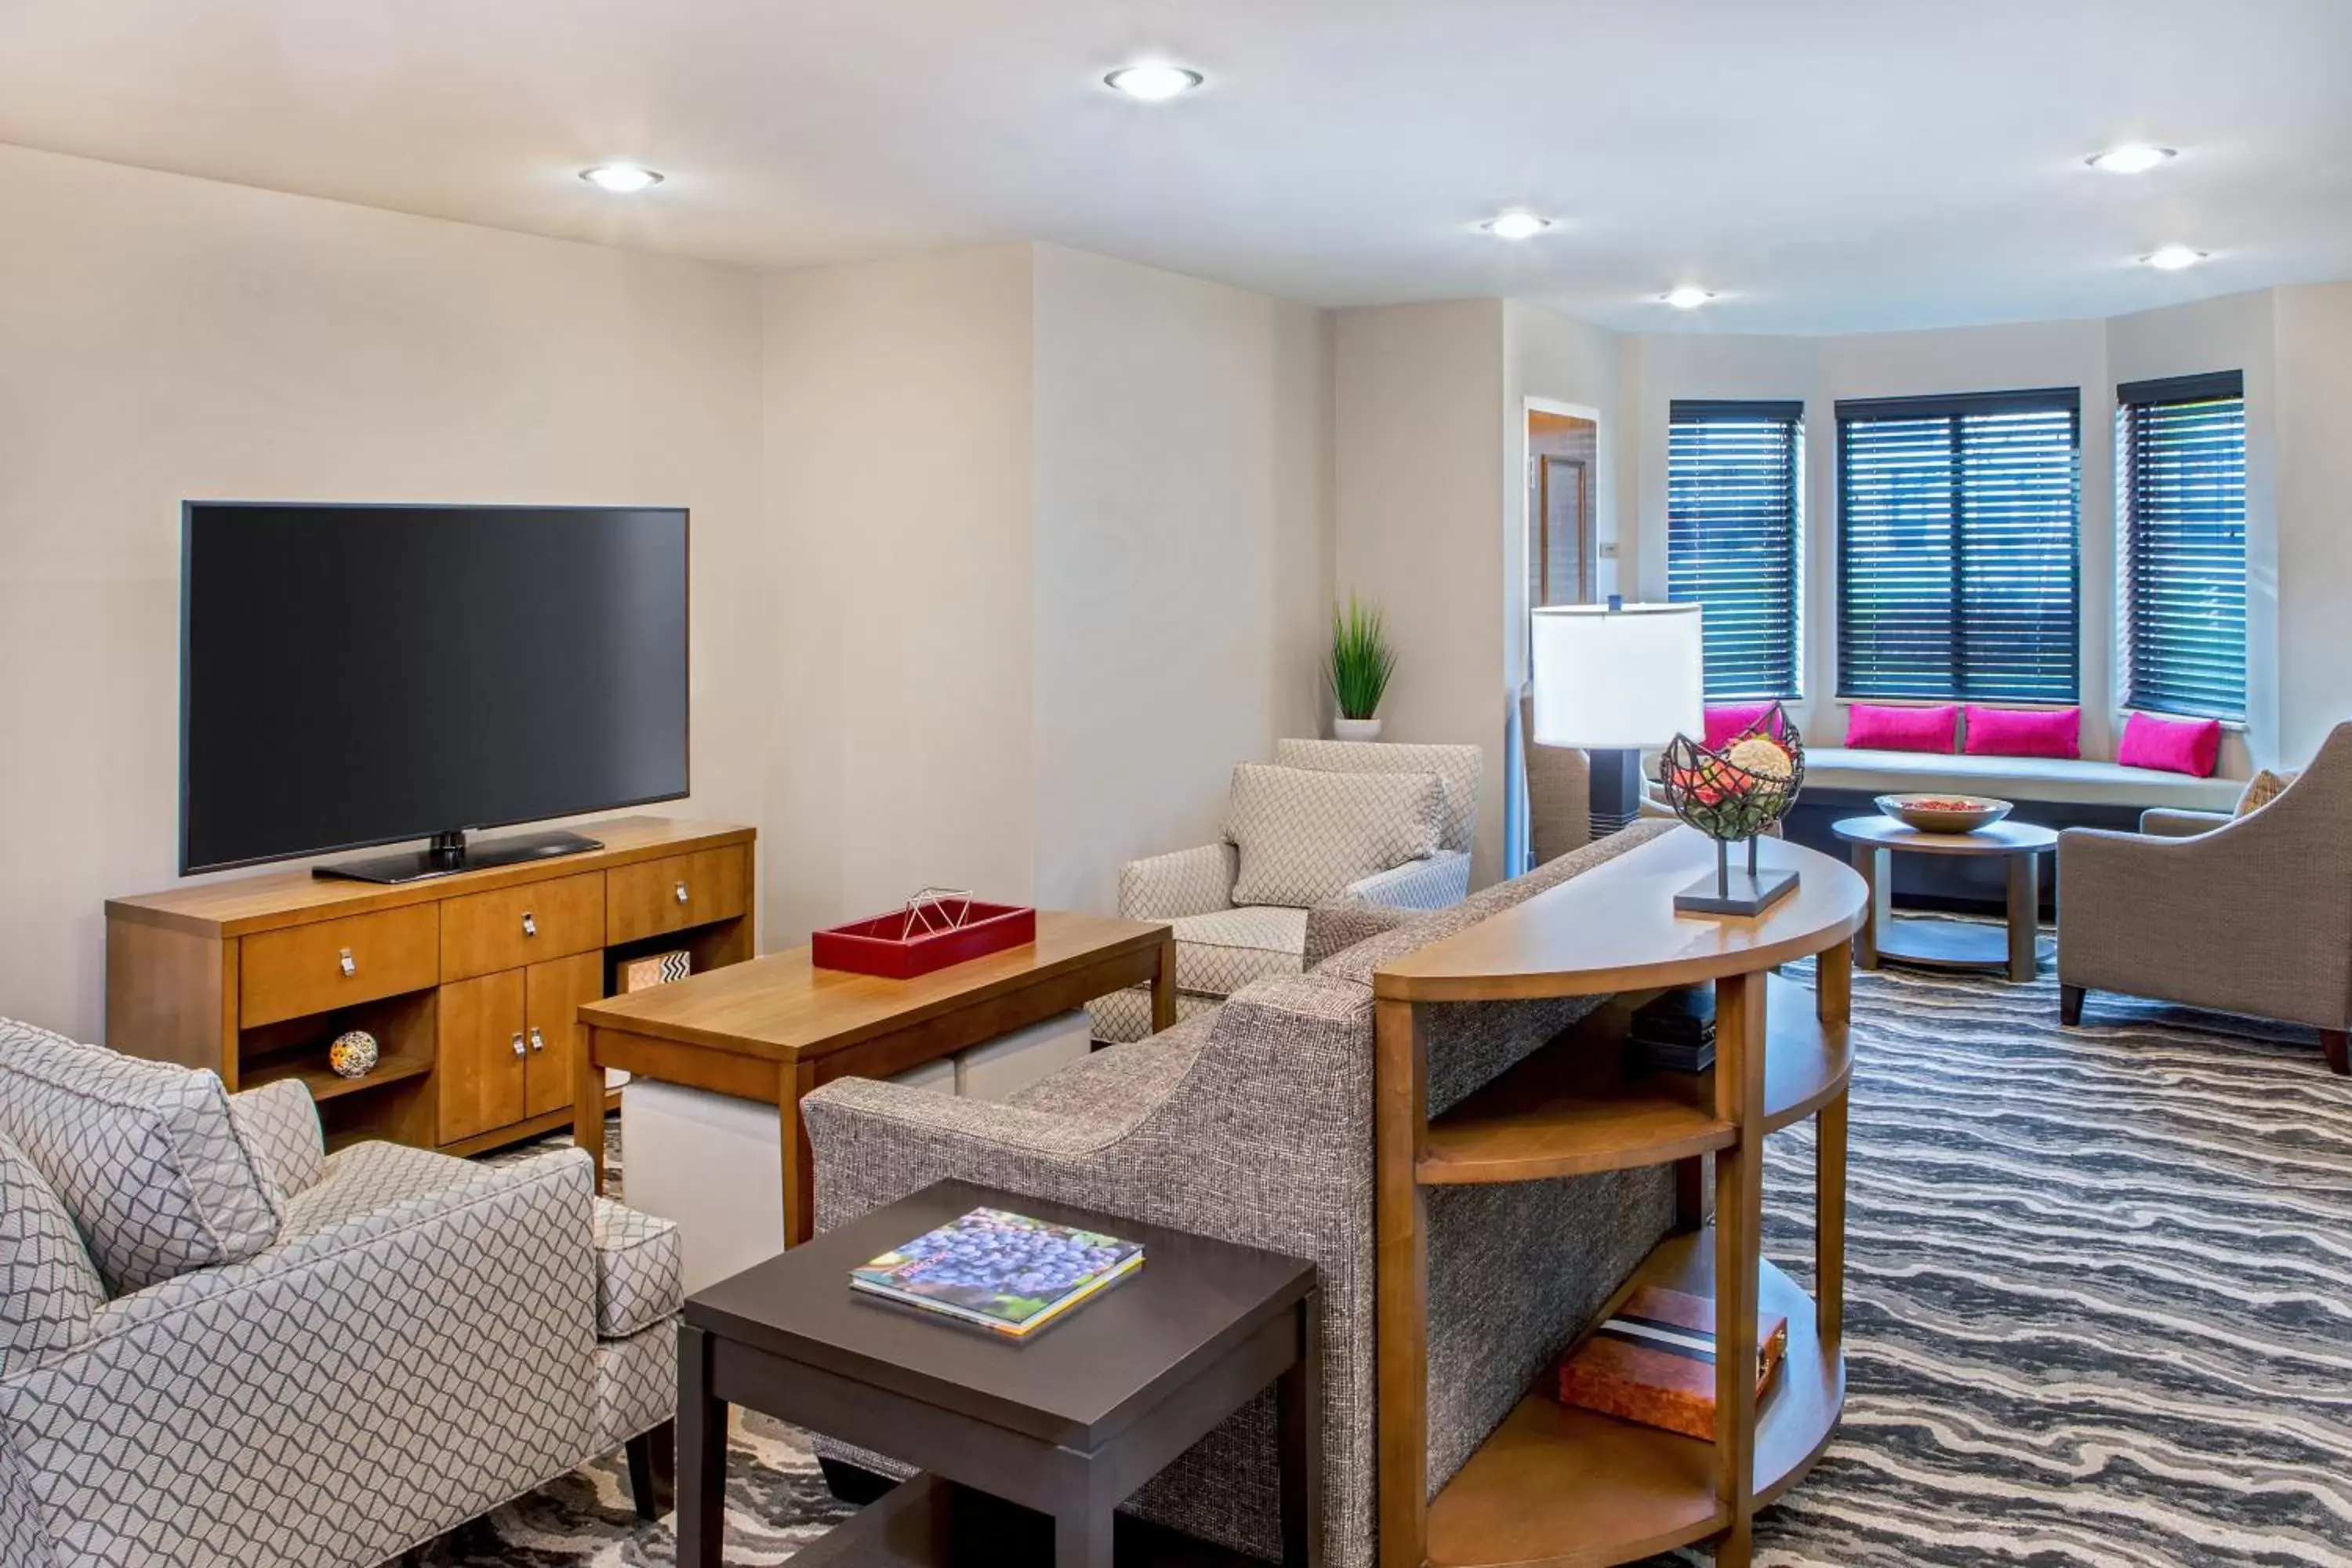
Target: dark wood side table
<point x="1951" y="945"/>
<point x="1067" y="1422"/>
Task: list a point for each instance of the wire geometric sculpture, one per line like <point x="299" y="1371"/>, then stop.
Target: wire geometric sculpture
<point x="1735" y="795"/>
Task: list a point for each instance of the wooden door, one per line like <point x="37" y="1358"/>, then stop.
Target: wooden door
<point x="481" y="1074"/>
<point x="551" y="1028"/>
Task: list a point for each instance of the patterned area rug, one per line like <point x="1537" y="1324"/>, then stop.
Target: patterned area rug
<point x="2099" y="1309"/>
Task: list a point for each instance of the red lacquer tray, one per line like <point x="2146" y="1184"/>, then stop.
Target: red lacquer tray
<point x="896" y="947"/>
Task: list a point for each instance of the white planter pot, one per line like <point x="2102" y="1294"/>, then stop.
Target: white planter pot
<point x="1355" y="728"/>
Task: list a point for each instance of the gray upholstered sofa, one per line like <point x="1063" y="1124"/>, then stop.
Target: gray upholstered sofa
<point x="2242" y="914"/>
<point x="1222" y="946"/>
<point x="1252" y="1123"/>
<point x="221" y="1345"/>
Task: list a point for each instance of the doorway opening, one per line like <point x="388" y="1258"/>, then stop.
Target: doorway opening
<point x="1563" y="560"/>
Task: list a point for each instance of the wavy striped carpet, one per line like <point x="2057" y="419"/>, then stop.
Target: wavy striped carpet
<point x="2100" y="1306"/>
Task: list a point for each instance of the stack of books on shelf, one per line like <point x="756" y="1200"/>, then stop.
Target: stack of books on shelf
<point x="1675" y="1032"/>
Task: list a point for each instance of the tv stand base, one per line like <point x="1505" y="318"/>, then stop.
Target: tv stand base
<point x="449" y="852"/>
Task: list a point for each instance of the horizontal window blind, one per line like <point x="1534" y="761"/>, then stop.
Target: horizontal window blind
<point x="1732" y="538"/>
<point x="2183" y="491"/>
<point x="1957" y="546"/>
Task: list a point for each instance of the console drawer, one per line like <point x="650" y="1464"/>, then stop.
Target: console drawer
<point x="676" y="891"/>
<point x="334" y="963"/>
<point x="484" y="933"/>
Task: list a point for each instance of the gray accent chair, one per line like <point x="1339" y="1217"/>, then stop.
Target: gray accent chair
<point x="1222" y="947"/>
<point x="220" y="1344"/>
<point x="1252" y="1123"/>
<point x="2241" y="914"/>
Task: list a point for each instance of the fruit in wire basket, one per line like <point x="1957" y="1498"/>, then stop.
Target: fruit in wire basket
<point x="1742" y="790"/>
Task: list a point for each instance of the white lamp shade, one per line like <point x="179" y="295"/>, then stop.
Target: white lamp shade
<point x="1617" y="680"/>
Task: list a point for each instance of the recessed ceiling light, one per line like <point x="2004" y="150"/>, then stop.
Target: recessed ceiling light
<point x="1153" y="82"/>
<point x="1516" y="225"/>
<point x="1687" y="298"/>
<point x="2131" y="158"/>
<point x="621" y="179"/>
<point x="2173" y="258"/>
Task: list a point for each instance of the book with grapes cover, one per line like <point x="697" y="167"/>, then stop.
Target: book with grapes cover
<point x="1002" y="1271"/>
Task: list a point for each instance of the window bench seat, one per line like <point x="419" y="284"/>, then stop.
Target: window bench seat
<point x="1841" y="782"/>
<point x="2020" y="779"/>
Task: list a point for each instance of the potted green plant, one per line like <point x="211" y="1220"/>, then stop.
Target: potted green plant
<point x="1361" y="663"/>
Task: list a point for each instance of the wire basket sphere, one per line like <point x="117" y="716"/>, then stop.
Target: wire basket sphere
<point x="1734" y="800"/>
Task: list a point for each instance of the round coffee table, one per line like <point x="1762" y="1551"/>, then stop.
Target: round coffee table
<point x="1951" y="945"/>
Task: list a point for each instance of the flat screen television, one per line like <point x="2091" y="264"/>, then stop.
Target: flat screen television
<point x="354" y="675"/>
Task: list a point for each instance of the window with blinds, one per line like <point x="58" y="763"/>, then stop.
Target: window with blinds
<point x="1732" y="538"/>
<point x="2181" y="456"/>
<point x="1957" y="546"/>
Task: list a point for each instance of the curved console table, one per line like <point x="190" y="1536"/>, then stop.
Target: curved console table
<point x="1556" y="1487"/>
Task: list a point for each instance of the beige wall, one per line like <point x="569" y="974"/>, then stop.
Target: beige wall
<point x="2314" y="515"/>
<point x="1418" y="438"/>
<point x="897" y="584"/>
<point x="163" y="338"/>
<point x="1183" y="556"/>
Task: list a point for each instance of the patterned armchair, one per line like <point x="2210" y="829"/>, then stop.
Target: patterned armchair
<point x="1222" y="946"/>
<point x="221" y="1345"/>
<point x="1254" y="1123"/>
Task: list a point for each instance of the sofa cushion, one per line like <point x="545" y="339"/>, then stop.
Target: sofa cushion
<point x="640" y="1269"/>
<point x="1871" y="726"/>
<point x="1217" y="954"/>
<point x="1304" y="834"/>
<point x="1727" y="722"/>
<point x="2024" y="731"/>
<point x="1458" y="769"/>
<point x="2189" y="746"/>
<point x="2264" y="787"/>
<point x="146" y="1156"/>
<point x="279" y="1122"/>
<point x="48" y="1287"/>
<point x="2083" y="782"/>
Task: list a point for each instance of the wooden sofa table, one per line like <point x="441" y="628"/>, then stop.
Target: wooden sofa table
<point x="777" y="1026"/>
<point x="1557" y="1486"/>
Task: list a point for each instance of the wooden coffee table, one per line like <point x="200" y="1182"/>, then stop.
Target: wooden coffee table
<point x="1951" y="945"/>
<point x="775" y="1027"/>
<point x="1066" y="1423"/>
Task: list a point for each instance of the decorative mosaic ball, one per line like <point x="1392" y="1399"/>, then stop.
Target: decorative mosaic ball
<point x="353" y="1054"/>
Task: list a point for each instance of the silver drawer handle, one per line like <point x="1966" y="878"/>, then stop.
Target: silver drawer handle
<point x="350" y="965"/>
<point x="518" y="1045"/>
<point x="537" y="1044"/>
<point x="681" y="893"/>
<point x="530" y="926"/>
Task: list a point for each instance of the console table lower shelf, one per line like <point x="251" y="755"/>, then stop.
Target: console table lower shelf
<point x="1553" y="1474"/>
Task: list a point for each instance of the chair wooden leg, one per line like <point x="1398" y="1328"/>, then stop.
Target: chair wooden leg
<point x="2338" y="1044"/>
<point x="653" y="1470"/>
<point x="2070" y="1004"/>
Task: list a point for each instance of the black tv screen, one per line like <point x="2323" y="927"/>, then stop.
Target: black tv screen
<point x="358" y="675"/>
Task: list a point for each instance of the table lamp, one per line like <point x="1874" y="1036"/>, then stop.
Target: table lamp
<point x="1614" y="680"/>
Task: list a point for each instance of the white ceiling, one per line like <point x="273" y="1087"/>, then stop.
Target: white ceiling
<point x="1826" y="165"/>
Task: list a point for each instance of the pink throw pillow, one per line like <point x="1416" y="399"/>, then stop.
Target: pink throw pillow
<point x="1725" y="723"/>
<point x="1869" y="726"/>
<point x="2189" y="746"/>
<point x="2024" y="731"/>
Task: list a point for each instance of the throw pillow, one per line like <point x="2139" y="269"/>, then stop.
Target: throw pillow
<point x="1724" y="723"/>
<point x="1870" y="727"/>
<point x="47" y="1288"/>
<point x="2264" y="787"/>
<point x="2024" y="731"/>
<point x="146" y="1156"/>
<point x="1304" y="836"/>
<point x="2189" y="746"/>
